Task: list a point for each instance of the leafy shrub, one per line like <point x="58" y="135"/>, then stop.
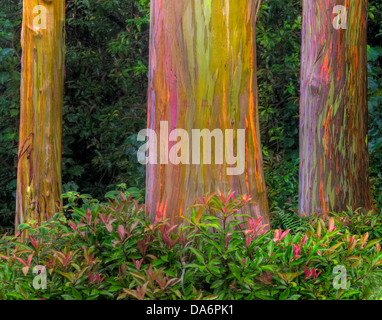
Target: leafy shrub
<point x="359" y="222"/>
<point x="282" y="183"/>
<point x="112" y="251"/>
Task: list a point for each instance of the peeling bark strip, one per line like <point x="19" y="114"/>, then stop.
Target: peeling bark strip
<point x="39" y="163"/>
<point x="333" y="109"/>
<point x="203" y="76"/>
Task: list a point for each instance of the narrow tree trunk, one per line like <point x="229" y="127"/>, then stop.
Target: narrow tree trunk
<point x="39" y="160"/>
<point x="203" y="76"/>
<point x="333" y="110"/>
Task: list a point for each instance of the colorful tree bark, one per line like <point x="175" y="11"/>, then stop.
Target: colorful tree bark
<point x="333" y="108"/>
<point x="203" y="76"/>
<point x="39" y="159"/>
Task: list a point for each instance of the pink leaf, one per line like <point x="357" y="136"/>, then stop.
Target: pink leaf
<point x="33" y="242"/>
<point x="284" y="234"/>
<point x="88" y="216"/>
<point x="121" y="231"/>
<point x="30" y="258"/>
<point x="230" y="196"/>
<point x="21" y="260"/>
<point x="73" y="226"/>
<point x="102" y="217"/>
<point x="198" y="201"/>
<point x="258" y="222"/>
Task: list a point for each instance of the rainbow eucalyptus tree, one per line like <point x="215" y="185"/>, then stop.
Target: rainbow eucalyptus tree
<point x="202" y="76"/>
<point x="333" y="107"/>
<point x="39" y="158"/>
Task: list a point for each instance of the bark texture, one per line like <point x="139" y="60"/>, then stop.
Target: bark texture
<point x="39" y="159"/>
<point x="203" y="76"/>
<point x="333" y="108"/>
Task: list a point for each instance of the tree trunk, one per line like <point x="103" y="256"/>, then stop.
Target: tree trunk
<point x="333" y="108"/>
<point x="39" y="159"/>
<point x="203" y="76"/>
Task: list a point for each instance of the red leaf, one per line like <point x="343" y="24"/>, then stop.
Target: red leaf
<point x="257" y="223"/>
<point x="89" y="216"/>
<point x="121" y="231"/>
<point x="30" y="258"/>
<point x="230" y="196"/>
<point x="161" y="284"/>
<point x="283" y="235"/>
<point x="33" y="242"/>
<point x="102" y="217"/>
<point x="172" y="228"/>
<point x="21" y="260"/>
<point x="73" y="226"/>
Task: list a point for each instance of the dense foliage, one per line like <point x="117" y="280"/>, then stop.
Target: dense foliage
<point x="105" y="97"/>
<point x="112" y="251"/>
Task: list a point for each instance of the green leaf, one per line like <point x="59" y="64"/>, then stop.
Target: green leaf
<point x="43" y="230"/>
<point x="372" y="242"/>
<point x="198" y="255"/>
<point x="235" y="270"/>
<point x="79" y="211"/>
<point x="22" y="245"/>
<point x="23" y="226"/>
<point x="195" y="265"/>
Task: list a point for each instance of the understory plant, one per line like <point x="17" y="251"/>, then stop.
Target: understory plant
<point x="111" y="250"/>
